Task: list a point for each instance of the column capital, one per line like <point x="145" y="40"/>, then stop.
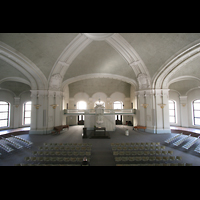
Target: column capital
<point x="16" y="101"/>
<point x="183" y="100"/>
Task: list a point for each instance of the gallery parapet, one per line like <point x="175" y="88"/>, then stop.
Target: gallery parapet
<point x="106" y="112"/>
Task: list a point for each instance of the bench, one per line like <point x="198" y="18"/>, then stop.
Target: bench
<point x="140" y="127"/>
<point x="57" y="129"/>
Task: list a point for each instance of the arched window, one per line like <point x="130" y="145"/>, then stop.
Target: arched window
<point x="118" y="105"/>
<point x="172" y="111"/>
<point x="27" y="113"/>
<point x="196" y="112"/>
<point x="4" y="113"/>
<point x="81" y="105"/>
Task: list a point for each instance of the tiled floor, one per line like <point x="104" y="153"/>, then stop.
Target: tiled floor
<point x="101" y="148"/>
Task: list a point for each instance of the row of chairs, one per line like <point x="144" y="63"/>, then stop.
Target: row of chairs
<point x="136" y="144"/>
<point x="171" y="139"/>
<point x="24" y="141"/>
<point x="62" y="153"/>
<point x="138" y="148"/>
<point x="147" y="159"/>
<point x="55" y="159"/>
<point x="155" y="164"/>
<point x="182" y="139"/>
<point x="11" y="142"/>
<point x="146" y="153"/>
<point x="72" y="148"/>
<point x="197" y="149"/>
<point x="68" y="144"/>
<point x="190" y="143"/>
<point x="5" y="147"/>
<point x="14" y="142"/>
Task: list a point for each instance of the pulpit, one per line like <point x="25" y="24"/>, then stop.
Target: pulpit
<point x="100" y="130"/>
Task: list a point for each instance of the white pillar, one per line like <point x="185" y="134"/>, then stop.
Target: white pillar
<point x="51" y="110"/>
<point x="150" y="111"/>
<point x="16" y="107"/>
<point x="58" y="111"/>
<point x="162" y="111"/>
<point x="47" y="111"/>
<point x="153" y="110"/>
<point x="183" y="111"/>
<point x="33" y="112"/>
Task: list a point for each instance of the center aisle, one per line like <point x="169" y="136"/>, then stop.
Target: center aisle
<point x="101" y="154"/>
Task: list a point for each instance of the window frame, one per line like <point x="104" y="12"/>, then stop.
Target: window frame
<point x="8" y="114"/>
<point x="174" y="109"/>
<point x="193" y="110"/>
<point x="25" y="111"/>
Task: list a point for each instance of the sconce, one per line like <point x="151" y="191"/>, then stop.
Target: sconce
<point x="16" y="106"/>
<point x="54" y="105"/>
<point x="144" y="105"/>
<point x="37" y="106"/>
<point x="183" y="104"/>
<point x="162" y="105"/>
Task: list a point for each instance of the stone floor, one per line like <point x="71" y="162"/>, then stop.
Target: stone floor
<point x="101" y="148"/>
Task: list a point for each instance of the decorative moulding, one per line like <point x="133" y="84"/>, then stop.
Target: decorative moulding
<point x="144" y="105"/>
<point x="54" y="105"/>
<point x="37" y="106"/>
<point x="144" y="81"/>
<point x="162" y="105"/>
<point x="55" y="82"/>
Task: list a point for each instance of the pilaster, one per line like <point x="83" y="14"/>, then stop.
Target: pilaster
<point x="46" y="110"/>
<point x="183" y="111"/>
<point x="16" y="122"/>
<point x="153" y="110"/>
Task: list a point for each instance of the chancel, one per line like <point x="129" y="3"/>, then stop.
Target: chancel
<point x="146" y="83"/>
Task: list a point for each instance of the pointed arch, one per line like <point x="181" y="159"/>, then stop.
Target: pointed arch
<point x="82" y="41"/>
<point x="161" y="79"/>
<point x="24" y="65"/>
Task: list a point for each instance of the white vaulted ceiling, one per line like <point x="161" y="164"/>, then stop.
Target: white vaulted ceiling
<point x="99" y="57"/>
<point x="150" y="60"/>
